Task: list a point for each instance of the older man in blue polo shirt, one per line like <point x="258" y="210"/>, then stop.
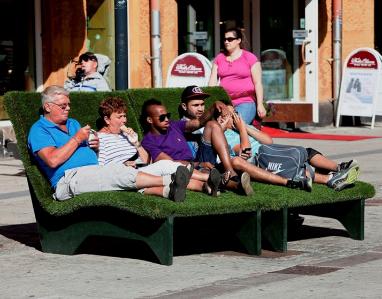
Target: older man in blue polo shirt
<point x="68" y="159"/>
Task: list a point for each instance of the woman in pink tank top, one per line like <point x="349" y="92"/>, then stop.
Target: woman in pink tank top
<point x="239" y="72"/>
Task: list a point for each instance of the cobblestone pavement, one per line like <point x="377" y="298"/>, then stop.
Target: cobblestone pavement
<point x="321" y="263"/>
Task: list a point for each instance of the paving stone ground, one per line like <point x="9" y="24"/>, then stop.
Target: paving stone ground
<point x="321" y="263"/>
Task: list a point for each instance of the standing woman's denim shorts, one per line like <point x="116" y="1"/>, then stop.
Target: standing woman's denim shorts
<point x="247" y="111"/>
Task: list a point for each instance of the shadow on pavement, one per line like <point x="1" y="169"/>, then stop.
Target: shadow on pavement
<point x="311" y="232"/>
<point x="23" y="233"/>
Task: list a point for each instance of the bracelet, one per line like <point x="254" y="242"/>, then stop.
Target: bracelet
<point x="76" y="140"/>
<point x="138" y="145"/>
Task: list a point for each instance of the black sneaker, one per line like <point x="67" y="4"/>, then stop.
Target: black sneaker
<point x="178" y="185"/>
<point x="344" y="178"/>
<point x="302" y="183"/>
<point x="347" y="165"/>
<point x="211" y="187"/>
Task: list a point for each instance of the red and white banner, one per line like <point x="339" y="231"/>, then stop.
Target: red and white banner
<point x="361" y="90"/>
<point x="189" y="69"/>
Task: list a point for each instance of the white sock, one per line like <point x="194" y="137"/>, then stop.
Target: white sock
<point x="166" y="191"/>
<point x="166" y="180"/>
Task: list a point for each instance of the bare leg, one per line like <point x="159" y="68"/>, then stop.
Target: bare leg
<point x="321" y="178"/>
<point x="200" y="176"/>
<point x="257" y="173"/>
<point x="154" y="191"/>
<point x="145" y="180"/>
<point x="214" y="135"/>
<point x="322" y="162"/>
<point x="195" y="185"/>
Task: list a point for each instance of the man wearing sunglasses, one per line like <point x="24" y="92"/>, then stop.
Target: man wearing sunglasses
<point x="87" y="77"/>
<point x="65" y="154"/>
<point x="165" y="140"/>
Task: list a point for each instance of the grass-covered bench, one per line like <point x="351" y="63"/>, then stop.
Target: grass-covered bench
<point x="64" y="226"/>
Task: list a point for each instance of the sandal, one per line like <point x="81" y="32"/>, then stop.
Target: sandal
<point x="211" y="187"/>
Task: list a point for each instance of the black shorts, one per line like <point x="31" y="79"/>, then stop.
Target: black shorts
<point x="312" y="152"/>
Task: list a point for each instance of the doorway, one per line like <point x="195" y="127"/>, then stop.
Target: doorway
<point x="16" y="45"/>
<point x="283" y="34"/>
<point x="288" y="32"/>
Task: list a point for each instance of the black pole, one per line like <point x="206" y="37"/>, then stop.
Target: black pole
<point x="121" y="64"/>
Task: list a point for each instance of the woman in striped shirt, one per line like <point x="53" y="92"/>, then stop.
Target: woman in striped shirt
<point x="118" y="144"/>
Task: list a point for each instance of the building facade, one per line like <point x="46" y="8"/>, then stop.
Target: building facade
<point x="293" y="38"/>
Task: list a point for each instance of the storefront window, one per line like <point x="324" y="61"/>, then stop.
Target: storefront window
<point x="196" y="27"/>
<point x="100" y="31"/>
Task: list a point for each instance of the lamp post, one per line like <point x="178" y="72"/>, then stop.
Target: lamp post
<point x="121" y="61"/>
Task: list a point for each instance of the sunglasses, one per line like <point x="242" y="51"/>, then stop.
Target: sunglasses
<point x="229" y="39"/>
<point x="163" y="117"/>
<point x="87" y="58"/>
<point x="62" y="106"/>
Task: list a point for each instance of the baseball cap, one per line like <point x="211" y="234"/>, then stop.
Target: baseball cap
<point x="193" y="92"/>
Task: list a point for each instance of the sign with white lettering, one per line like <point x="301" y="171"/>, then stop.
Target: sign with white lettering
<point x="200" y="35"/>
<point x="300" y="33"/>
<point x="189" y="69"/>
<point x="361" y="84"/>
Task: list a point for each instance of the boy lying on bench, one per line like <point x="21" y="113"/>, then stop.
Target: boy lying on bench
<point x="68" y="159"/>
<point x="324" y="171"/>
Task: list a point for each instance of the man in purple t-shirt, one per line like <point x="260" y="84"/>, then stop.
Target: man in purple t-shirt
<point x="164" y="140"/>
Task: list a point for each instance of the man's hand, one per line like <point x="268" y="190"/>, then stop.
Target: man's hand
<point x="82" y="134"/>
<point x="94" y="143"/>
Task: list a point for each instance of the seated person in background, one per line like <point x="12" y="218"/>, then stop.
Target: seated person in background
<point x="240" y="136"/>
<point x="165" y="140"/>
<point x="67" y="158"/>
<point x="87" y="77"/>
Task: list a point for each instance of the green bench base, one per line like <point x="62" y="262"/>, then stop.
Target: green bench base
<point x="349" y="213"/>
<point x="66" y="234"/>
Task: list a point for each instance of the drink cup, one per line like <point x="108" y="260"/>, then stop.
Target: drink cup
<point x="92" y="135"/>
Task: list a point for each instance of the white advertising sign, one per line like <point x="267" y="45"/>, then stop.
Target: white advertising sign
<point x="360" y="86"/>
<point x="189" y="69"/>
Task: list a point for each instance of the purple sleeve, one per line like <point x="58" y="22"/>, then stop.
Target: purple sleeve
<point x="179" y="125"/>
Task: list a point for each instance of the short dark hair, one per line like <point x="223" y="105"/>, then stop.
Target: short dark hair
<point x="145" y="113"/>
<point x="107" y="107"/>
<point x="87" y="56"/>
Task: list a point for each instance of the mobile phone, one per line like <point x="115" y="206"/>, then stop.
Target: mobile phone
<point x="140" y="164"/>
<point x="246" y="150"/>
